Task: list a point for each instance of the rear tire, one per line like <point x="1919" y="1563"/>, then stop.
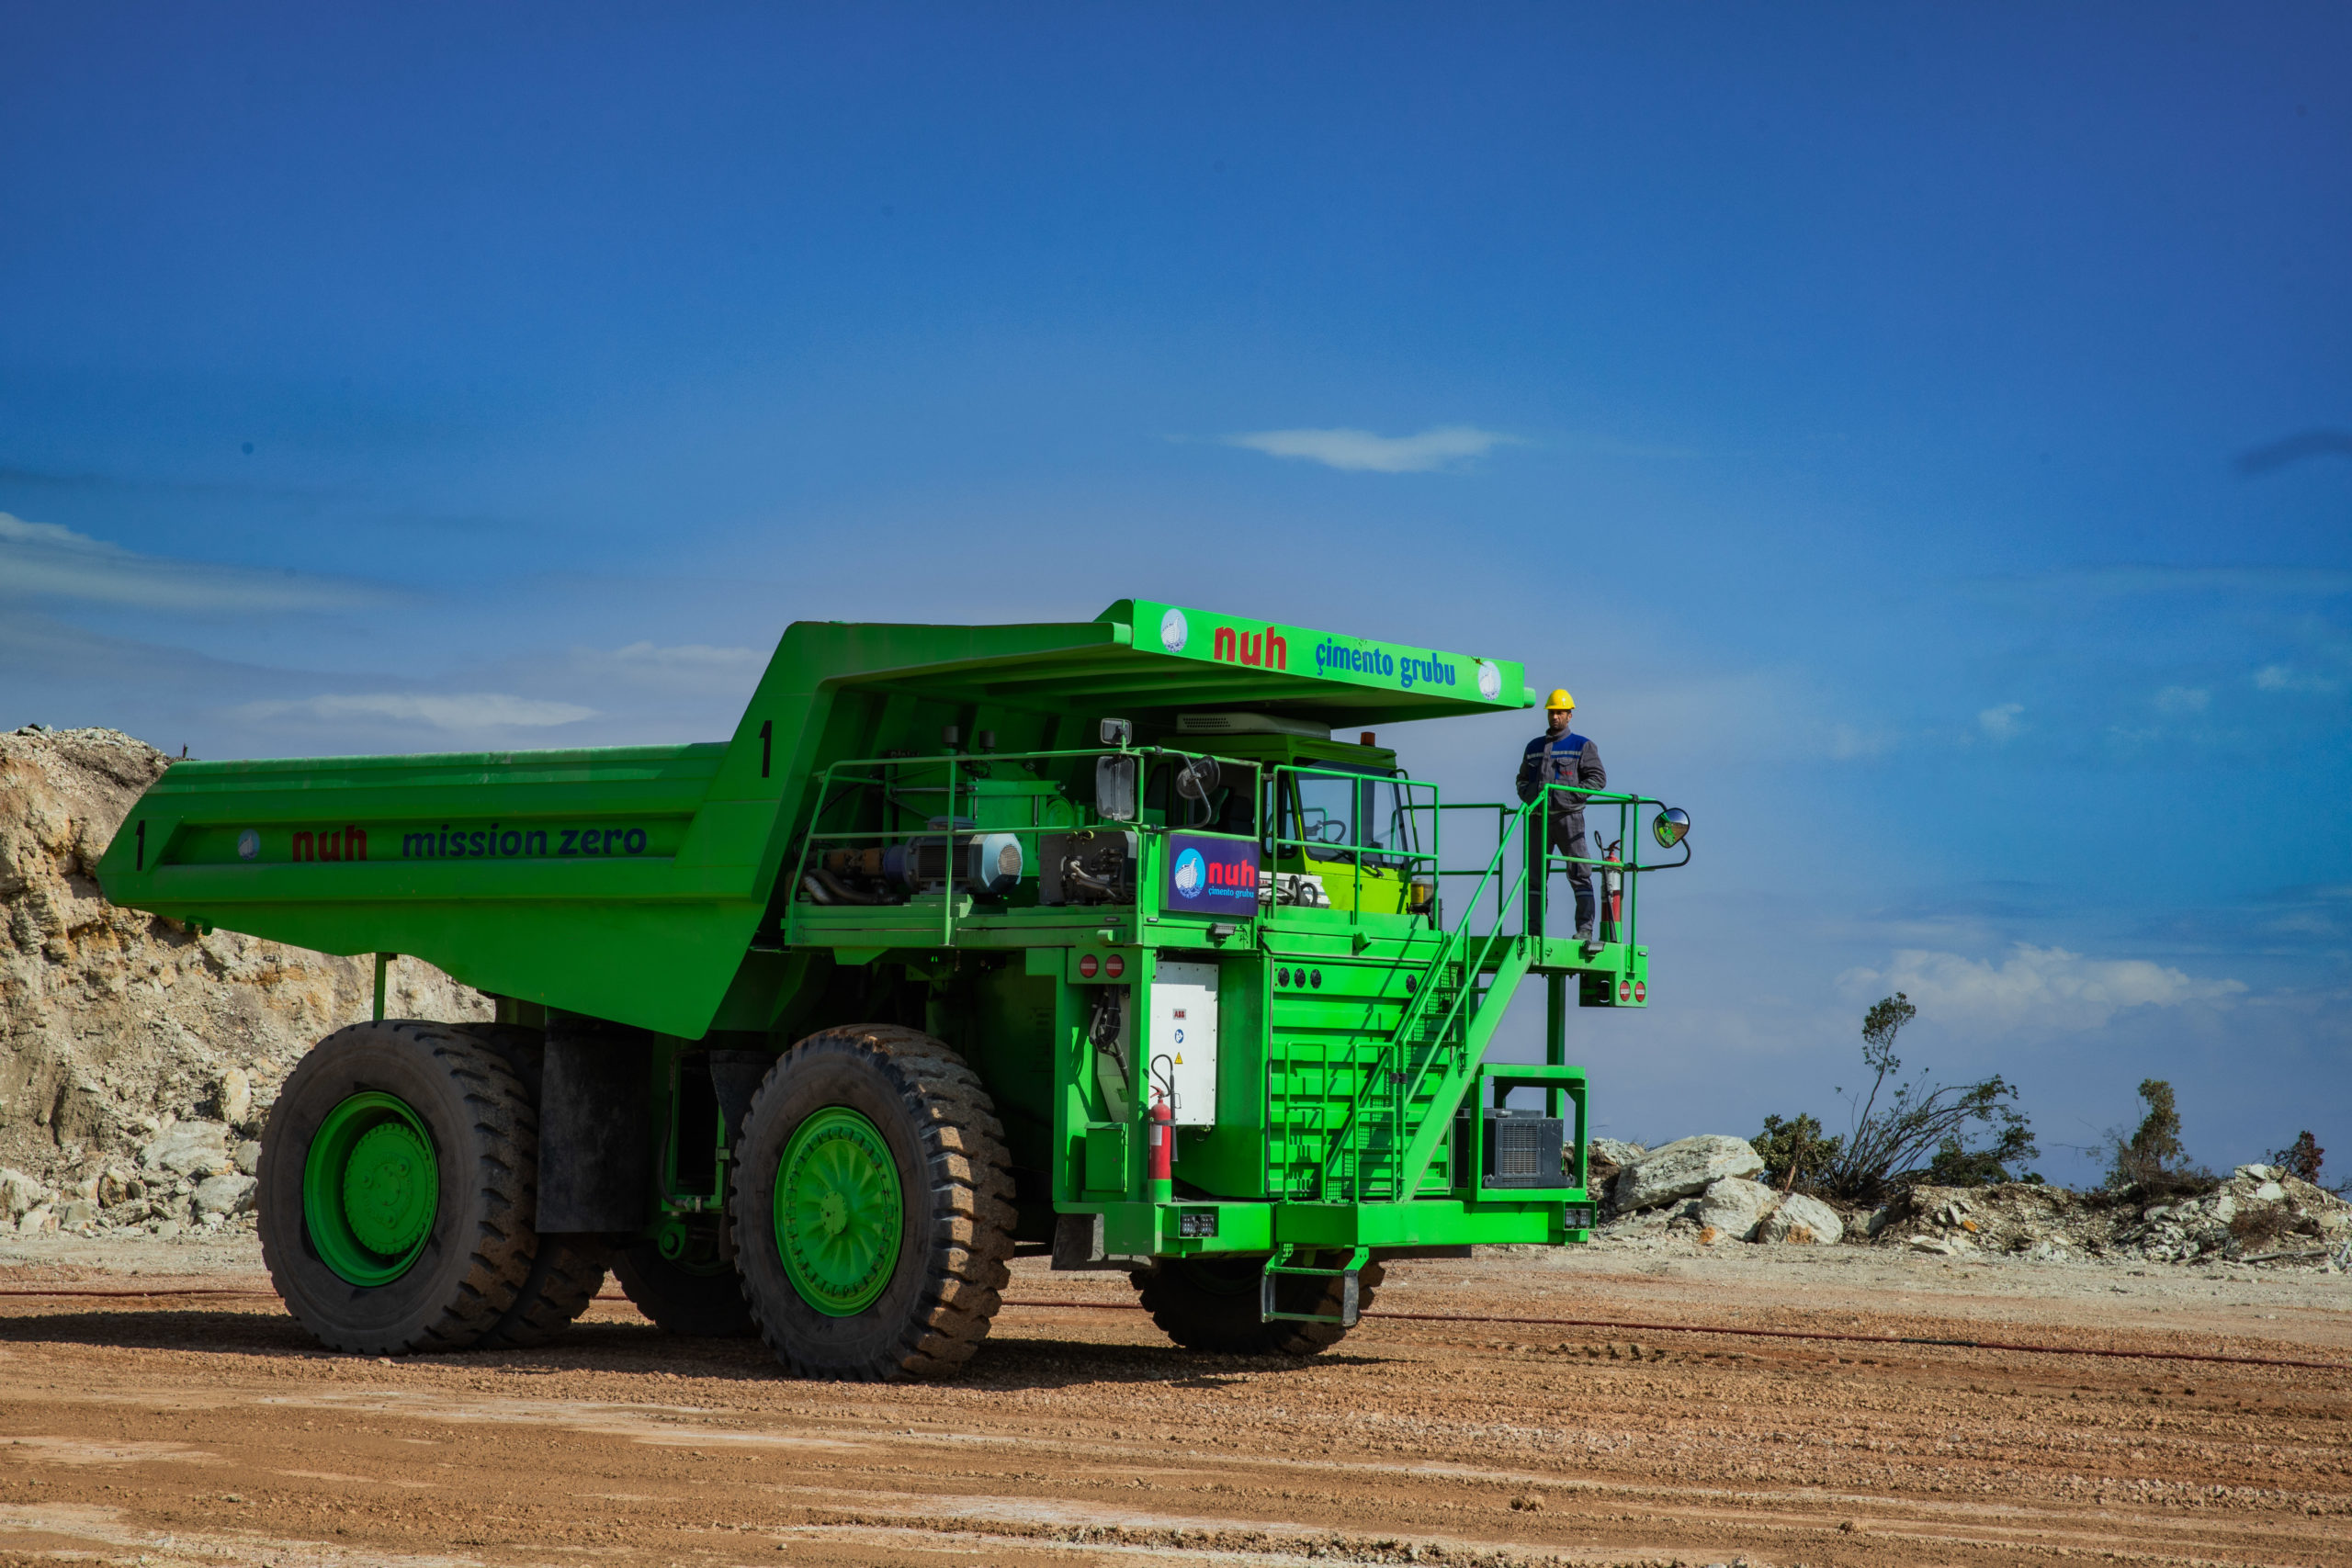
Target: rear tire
<point x="411" y="1228"/>
<point x="566" y="1270"/>
<point x="1212" y="1303"/>
<point x="873" y="1206"/>
<point x="700" y="1302"/>
<point x="565" y="1276"/>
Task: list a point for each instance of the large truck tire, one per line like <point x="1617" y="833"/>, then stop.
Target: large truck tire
<point x="566" y="1273"/>
<point x="873" y="1206"/>
<point x="697" y="1300"/>
<point x="1213" y="1304"/>
<point x="566" y="1270"/>
<point x="396" y="1189"/>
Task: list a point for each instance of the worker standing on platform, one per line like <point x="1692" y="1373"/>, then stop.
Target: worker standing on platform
<point x="1560" y="756"/>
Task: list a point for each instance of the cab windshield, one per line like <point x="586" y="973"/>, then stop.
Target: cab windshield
<point x="1336" y="810"/>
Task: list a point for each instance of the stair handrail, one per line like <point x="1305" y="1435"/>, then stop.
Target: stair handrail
<point x="1414" y="1009"/>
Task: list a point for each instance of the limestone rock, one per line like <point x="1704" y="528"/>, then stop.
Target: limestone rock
<point x="1734" y="1207"/>
<point x="113" y="1021"/>
<point x="1616" y="1152"/>
<point x="1802" y="1219"/>
<point x="36" y="1221"/>
<point x="248" y="1157"/>
<point x="234" y="1096"/>
<point x="1683" y="1168"/>
<point x="189" y="1149"/>
<point x="80" y="1212"/>
<point x="224" y="1195"/>
<point x="19" y="1193"/>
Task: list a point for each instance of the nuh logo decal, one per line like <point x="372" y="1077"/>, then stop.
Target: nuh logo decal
<point x="1213" y="874"/>
<point x="1266" y="648"/>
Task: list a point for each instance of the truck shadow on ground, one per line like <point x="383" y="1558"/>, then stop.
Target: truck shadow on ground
<point x="1009" y="1362"/>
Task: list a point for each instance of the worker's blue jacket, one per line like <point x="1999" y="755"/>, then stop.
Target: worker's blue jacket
<point x="1569" y="758"/>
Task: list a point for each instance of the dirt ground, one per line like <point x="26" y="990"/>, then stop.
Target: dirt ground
<point x="208" y="1429"/>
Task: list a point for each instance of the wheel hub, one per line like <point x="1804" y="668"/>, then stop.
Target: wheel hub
<point x="371" y="1188"/>
<point x="389" y="1206"/>
<point x="840" y="1212"/>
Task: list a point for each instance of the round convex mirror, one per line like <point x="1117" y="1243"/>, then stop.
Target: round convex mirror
<point x="1197" y="779"/>
<point x="1670" y="827"/>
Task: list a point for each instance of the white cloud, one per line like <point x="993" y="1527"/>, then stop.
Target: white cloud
<point x="1847" y="743"/>
<point x="2047" y="988"/>
<point x="2287" y="678"/>
<point x="2183" y="699"/>
<point x="2001" y="723"/>
<point x="691" y="655"/>
<point x="41" y="559"/>
<point x="1363" y="450"/>
<point x="460" y="711"/>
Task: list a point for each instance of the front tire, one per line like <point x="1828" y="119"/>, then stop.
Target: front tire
<point x="873" y="1206"/>
<point x="1212" y="1303"/>
<point x="396" y="1190"/>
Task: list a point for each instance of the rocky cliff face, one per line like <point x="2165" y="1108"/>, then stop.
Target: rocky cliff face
<point x="115" y="1025"/>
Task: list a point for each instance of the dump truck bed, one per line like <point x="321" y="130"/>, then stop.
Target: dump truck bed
<point x="631" y="884"/>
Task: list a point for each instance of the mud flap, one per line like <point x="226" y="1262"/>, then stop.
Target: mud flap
<point x="594" y="1153"/>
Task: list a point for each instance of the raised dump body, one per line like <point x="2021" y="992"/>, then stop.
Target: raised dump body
<point x="1118" y="939"/>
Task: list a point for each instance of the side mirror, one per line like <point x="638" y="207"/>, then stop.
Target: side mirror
<point x="1670" y="827"/>
<point x="1114" y="788"/>
<point x="1198" y="780"/>
<point x="1118" y="732"/>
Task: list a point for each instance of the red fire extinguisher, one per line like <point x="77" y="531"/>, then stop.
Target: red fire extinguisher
<point x="1163" y="1149"/>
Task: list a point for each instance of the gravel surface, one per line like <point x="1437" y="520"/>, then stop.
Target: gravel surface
<point x="211" y="1430"/>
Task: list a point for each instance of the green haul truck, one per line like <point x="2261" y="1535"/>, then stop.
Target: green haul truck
<point x="1089" y="938"/>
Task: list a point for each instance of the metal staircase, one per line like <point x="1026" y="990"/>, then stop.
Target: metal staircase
<point x="1382" y="1150"/>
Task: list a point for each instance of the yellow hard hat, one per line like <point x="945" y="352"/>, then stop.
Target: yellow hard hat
<point x="1559" y="699"/>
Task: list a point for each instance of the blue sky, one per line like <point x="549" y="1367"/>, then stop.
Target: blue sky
<point x="1922" y="438"/>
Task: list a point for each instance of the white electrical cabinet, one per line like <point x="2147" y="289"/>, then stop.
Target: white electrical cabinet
<point x="1184" y="1039"/>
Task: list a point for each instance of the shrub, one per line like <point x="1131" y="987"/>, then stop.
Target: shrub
<point x="2151" y="1160"/>
<point x="2301" y="1158"/>
<point x="1794" y="1152"/>
<point x="1923" y="1131"/>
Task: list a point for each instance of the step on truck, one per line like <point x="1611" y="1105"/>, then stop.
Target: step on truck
<point x="1119" y="940"/>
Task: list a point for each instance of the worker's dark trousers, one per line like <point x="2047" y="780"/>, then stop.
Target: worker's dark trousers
<point x="1568" y="839"/>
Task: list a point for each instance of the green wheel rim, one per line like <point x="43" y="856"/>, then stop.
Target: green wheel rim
<point x="839" y="1212"/>
<point x="372" y="1188"/>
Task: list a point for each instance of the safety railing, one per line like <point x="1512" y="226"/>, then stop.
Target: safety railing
<point x="1337" y="814"/>
<point x="1448" y="985"/>
<point x="1452" y="975"/>
<point x="917" y="813"/>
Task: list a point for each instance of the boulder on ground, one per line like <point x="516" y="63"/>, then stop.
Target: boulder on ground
<point x="80" y="1212"/>
<point x="1735" y="1206"/>
<point x="1616" y="1152"/>
<point x="19" y="1193"/>
<point x="248" y="1156"/>
<point x="233" y="1094"/>
<point x="189" y="1149"/>
<point x="1681" y="1169"/>
<point x="1802" y="1219"/>
<point x="224" y="1195"/>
